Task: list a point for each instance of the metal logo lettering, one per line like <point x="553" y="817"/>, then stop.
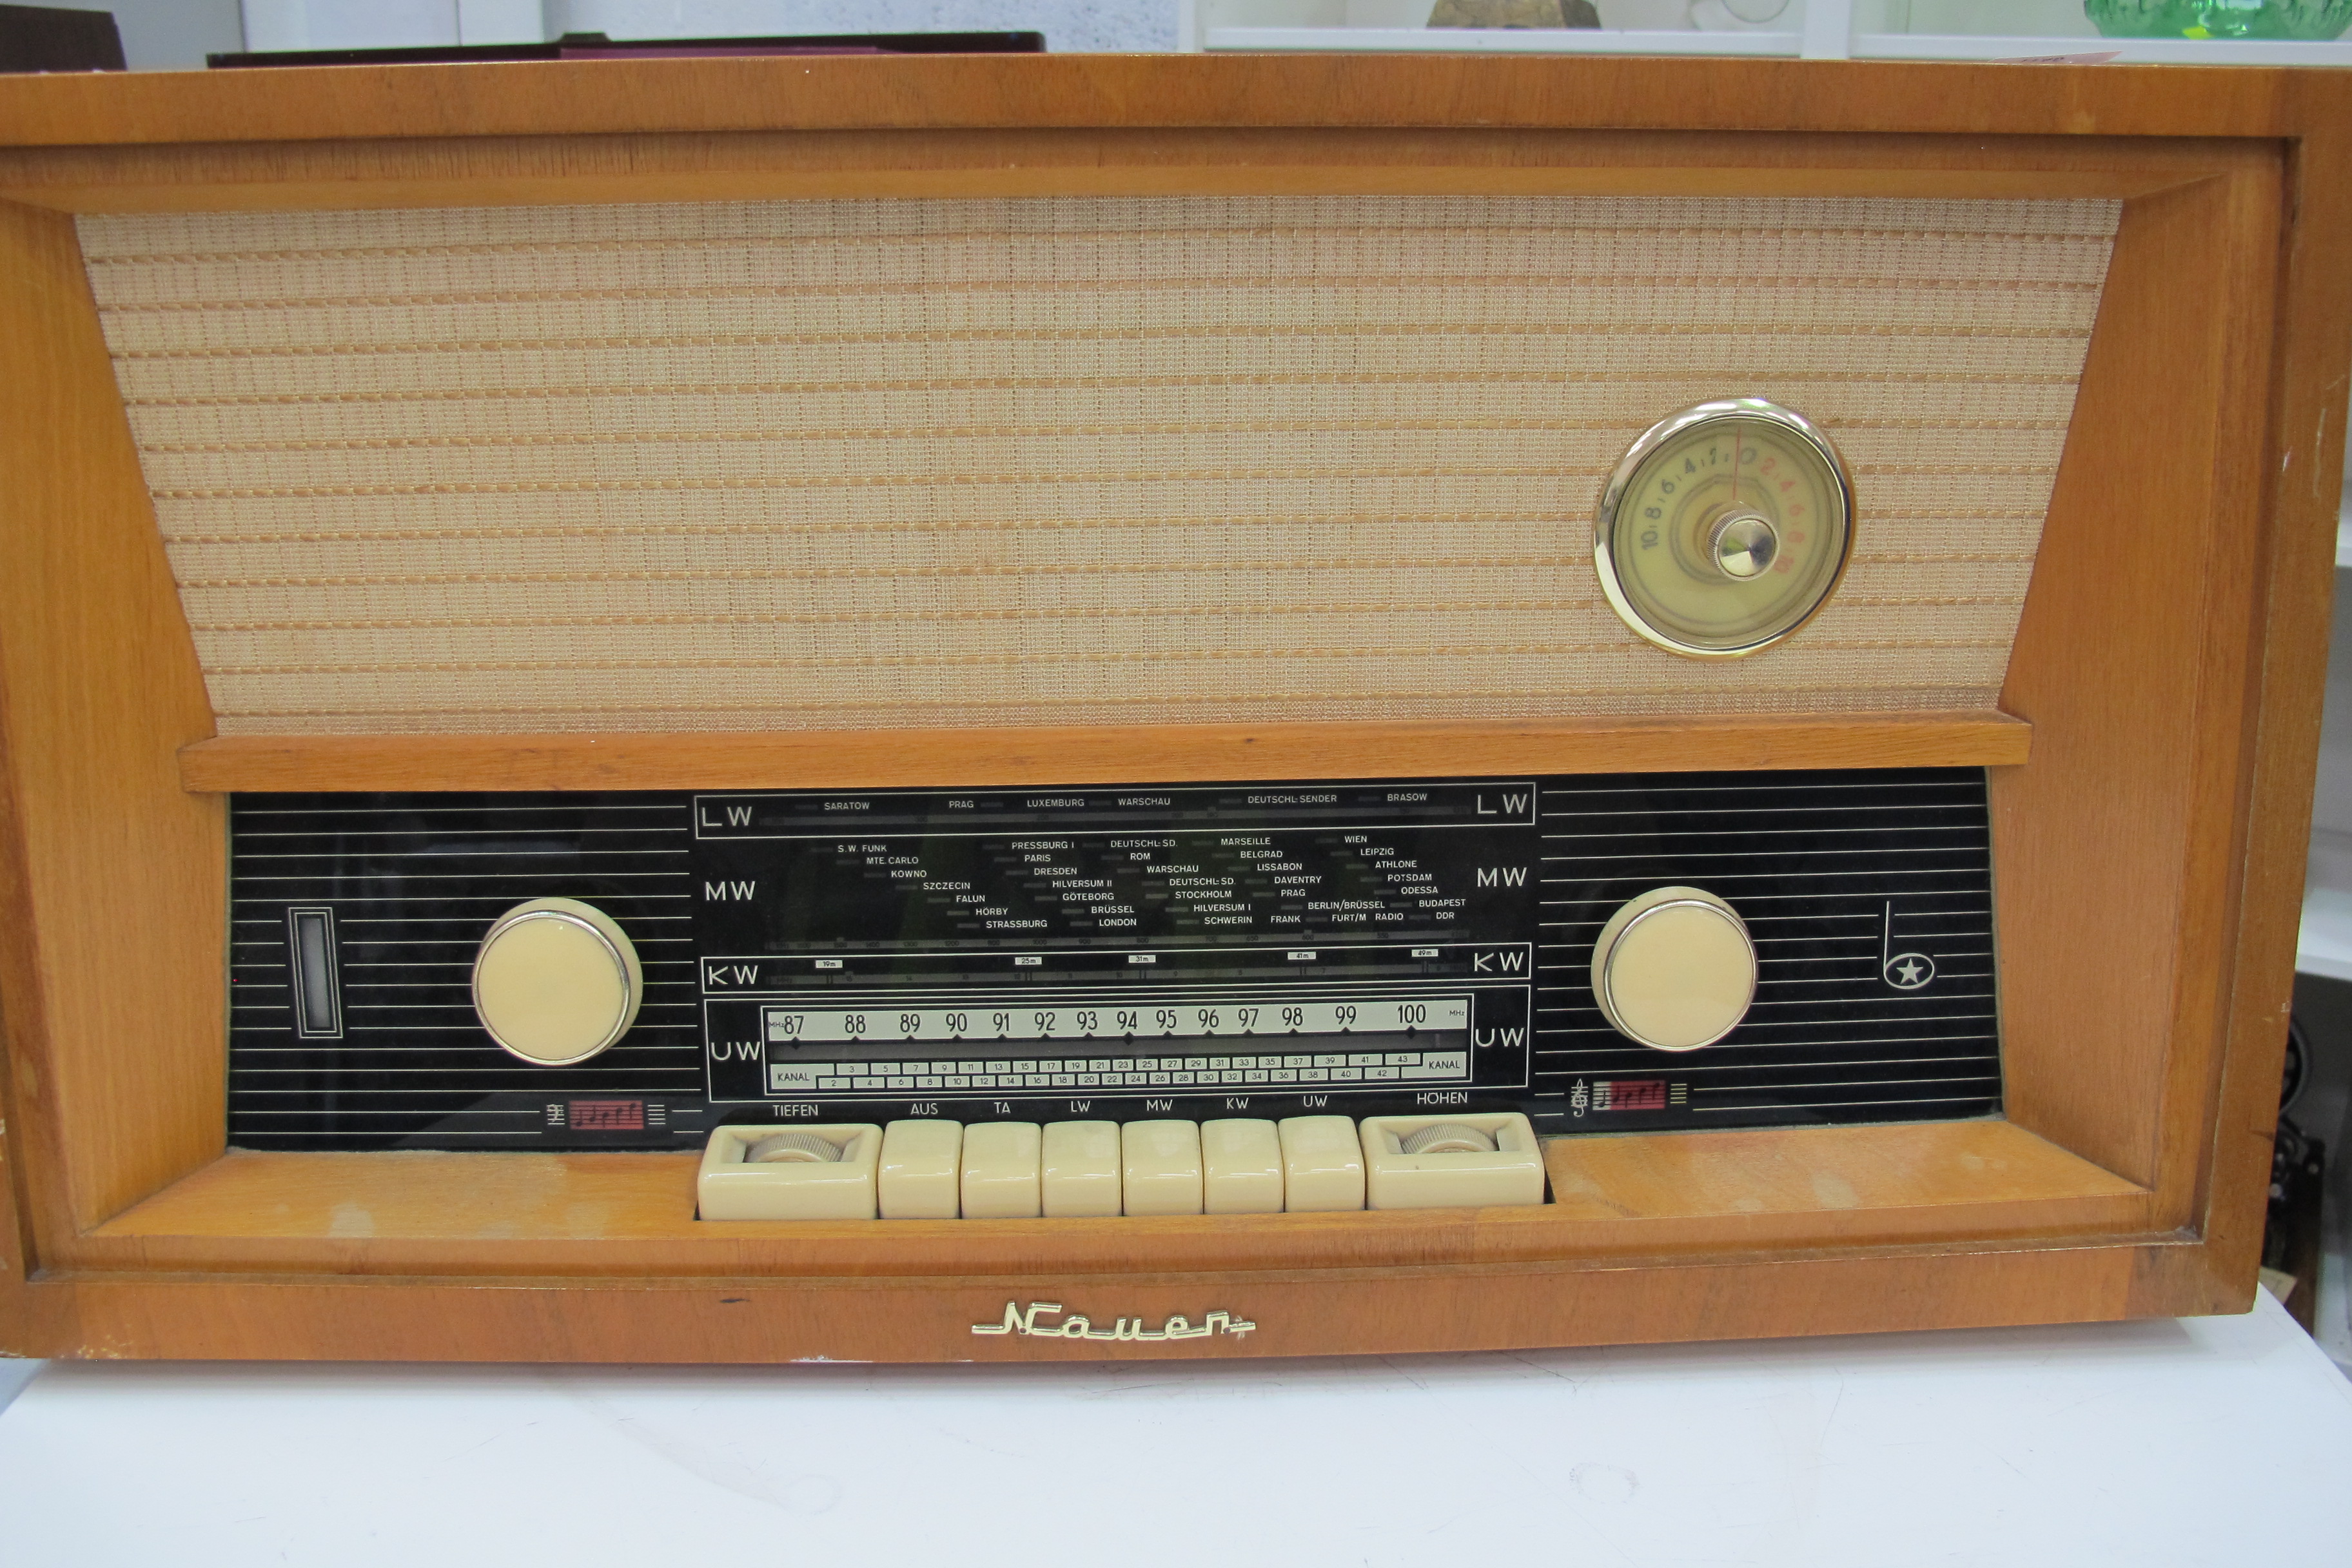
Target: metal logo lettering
<point x="1124" y="1331"/>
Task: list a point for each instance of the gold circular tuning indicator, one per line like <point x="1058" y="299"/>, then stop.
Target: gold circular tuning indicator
<point x="1724" y="529"/>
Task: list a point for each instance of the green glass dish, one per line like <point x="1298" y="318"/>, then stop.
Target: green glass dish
<point x="2309" y="20"/>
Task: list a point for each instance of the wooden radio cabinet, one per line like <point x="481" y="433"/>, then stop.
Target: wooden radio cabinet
<point x="1058" y="423"/>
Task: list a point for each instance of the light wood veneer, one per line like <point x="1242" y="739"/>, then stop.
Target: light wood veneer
<point x="2149" y="840"/>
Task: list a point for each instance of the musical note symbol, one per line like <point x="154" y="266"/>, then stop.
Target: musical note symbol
<point x="1901" y="971"/>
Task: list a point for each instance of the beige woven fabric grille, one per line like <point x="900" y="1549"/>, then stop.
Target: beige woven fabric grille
<point x="908" y="463"/>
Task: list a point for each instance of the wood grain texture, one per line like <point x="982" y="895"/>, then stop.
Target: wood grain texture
<point x="2221" y="770"/>
<point x="16" y="1210"/>
<point x="632" y="1216"/>
<point x="111" y="876"/>
<point x="1831" y="1181"/>
<point x="2149" y="849"/>
<point x="2114" y="847"/>
<point x="1142" y="91"/>
<point x="1454" y="160"/>
<point x="865" y="759"/>
<point x="2303" y="488"/>
<point x="1296" y="1312"/>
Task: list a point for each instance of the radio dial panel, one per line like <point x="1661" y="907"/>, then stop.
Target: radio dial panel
<point x="1449" y="948"/>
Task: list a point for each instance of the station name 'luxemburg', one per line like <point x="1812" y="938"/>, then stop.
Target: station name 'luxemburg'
<point x="1129" y="1331"/>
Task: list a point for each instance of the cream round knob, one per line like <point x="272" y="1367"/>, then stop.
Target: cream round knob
<point x="1674" y="969"/>
<point x="556" y="981"/>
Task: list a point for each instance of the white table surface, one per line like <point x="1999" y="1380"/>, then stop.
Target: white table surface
<point x="2215" y="1440"/>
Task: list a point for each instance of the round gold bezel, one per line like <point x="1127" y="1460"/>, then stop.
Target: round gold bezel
<point x="1621" y="480"/>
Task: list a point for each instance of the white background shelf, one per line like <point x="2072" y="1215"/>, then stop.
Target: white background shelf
<point x="2203" y="1440"/>
<point x="1817" y="29"/>
<point x="1865" y="45"/>
<point x="1502" y="40"/>
<point x="2325" y="945"/>
<point x="2124" y="51"/>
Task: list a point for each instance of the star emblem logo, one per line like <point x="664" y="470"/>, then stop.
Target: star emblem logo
<point x="1908" y="971"/>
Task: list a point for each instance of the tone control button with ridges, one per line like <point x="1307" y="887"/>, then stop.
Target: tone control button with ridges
<point x="778" y="1148"/>
<point x="806" y="1173"/>
<point x="1467" y="1159"/>
<point x="1448" y="1138"/>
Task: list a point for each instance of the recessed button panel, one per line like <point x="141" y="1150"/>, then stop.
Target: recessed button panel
<point x="1100" y="1171"/>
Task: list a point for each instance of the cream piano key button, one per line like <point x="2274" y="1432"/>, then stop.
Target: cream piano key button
<point x="1674" y="969"/>
<point x="801" y="1173"/>
<point x="556" y="981"/>
<point x="1081" y="1177"/>
<point x="1162" y="1163"/>
<point x="1241" y="1167"/>
<point x="921" y="1171"/>
<point x="1450" y="1170"/>
<point x="1002" y="1168"/>
<point x="1322" y="1165"/>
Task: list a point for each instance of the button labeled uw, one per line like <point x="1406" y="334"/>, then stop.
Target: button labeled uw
<point x="1322" y="1165"/>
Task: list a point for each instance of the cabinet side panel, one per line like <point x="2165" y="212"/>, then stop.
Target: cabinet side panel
<point x="112" y="939"/>
<point x="2304" y="473"/>
<point x="2112" y="844"/>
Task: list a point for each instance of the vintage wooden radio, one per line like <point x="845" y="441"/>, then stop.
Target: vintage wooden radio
<point x="991" y="708"/>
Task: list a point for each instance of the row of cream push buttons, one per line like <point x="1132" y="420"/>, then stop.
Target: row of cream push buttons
<point x="1363" y="1067"/>
<point x="1020" y="1169"/>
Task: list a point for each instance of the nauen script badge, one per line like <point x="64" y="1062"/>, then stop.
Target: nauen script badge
<point x="1128" y="1330"/>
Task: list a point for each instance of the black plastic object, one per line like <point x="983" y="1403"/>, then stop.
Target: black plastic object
<point x="48" y="38"/>
<point x="597" y="46"/>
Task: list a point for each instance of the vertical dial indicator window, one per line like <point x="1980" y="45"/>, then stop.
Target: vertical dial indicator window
<point x="1724" y="529"/>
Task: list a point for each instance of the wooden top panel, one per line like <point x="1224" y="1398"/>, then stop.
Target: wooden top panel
<point x="1142" y="91"/>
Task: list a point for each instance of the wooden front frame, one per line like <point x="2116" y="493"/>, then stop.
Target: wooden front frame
<point x="2151" y="763"/>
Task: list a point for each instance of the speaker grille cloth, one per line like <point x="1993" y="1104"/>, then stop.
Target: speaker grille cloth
<point x="919" y="462"/>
